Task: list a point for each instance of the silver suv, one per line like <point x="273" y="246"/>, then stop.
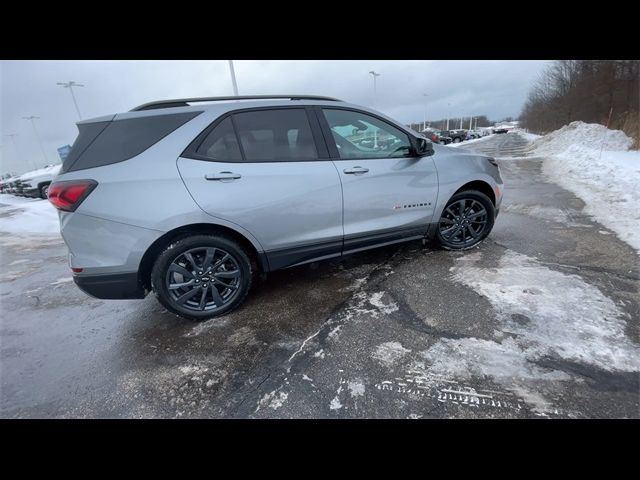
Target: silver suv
<point x="191" y="197"/>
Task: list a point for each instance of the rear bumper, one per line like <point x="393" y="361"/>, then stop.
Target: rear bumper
<point x="111" y="286"/>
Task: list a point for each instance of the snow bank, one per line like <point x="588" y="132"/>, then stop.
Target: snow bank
<point x="467" y="142"/>
<point x="589" y="135"/>
<point x="608" y="181"/>
<point x="28" y="217"/>
<point x="528" y="136"/>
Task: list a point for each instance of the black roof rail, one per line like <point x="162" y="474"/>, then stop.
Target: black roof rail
<point x="184" y="102"/>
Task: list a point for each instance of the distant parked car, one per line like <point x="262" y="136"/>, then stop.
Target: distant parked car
<point x="456" y="136"/>
<point x="473" y="134"/>
<point x="36" y="184"/>
<point x="13" y="185"/>
<point x="500" y="130"/>
<point x="437" y="136"/>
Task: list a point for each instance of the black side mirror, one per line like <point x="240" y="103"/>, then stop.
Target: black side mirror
<point x="424" y="147"/>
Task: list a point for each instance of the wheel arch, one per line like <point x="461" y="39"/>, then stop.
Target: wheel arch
<point x="150" y="255"/>
<point x="481" y="186"/>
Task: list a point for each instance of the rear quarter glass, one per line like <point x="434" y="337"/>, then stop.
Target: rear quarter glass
<point x="119" y="140"/>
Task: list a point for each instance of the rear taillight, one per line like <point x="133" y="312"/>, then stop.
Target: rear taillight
<point x="68" y="195"/>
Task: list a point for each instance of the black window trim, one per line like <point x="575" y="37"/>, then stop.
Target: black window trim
<point x="316" y="132"/>
<point x="333" y="150"/>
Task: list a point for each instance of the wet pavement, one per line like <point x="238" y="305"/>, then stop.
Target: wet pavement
<point x="540" y="320"/>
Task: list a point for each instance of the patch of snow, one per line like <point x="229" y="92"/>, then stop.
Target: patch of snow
<point x="62" y="280"/>
<point x="305" y="377"/>
<point x="274" y="400"/>
<point x="335" y="404"/>
<point x="530" y="137"/>
<point x="376" y="301"/>
<point x="356" y="388"/>
<point x="333" y="334"/>
<point x="567" y="317"/>
<point x="22" y="216"/>
<point x="467" y="142"/>
<point x="389" y="353"/>
<point x="593" y="162"/>
<point x="564" y="317"/>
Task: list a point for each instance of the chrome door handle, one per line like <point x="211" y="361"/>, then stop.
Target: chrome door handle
<point x="356" y="170"/>
<point x="222" y="176"/>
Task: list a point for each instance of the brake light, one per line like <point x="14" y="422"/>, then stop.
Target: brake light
<point x="68" y="195"/>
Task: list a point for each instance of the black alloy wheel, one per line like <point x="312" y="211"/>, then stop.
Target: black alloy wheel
<point x="466" y="220"/>
<point x="202" y="277"/>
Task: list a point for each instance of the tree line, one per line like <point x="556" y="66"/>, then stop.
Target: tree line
<point x="593" y="91"/>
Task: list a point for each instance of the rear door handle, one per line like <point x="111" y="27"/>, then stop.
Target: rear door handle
<point x="355" y="170"/>
<point x="222" y="176"/>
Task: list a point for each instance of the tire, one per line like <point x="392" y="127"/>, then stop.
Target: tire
<point x="174" y="267"/>
<point x="44" y="191"/>
<point x="454" y="234"/>
<point x="456" y="140"/>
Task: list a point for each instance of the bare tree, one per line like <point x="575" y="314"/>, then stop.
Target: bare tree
<point x="586" y="90"/>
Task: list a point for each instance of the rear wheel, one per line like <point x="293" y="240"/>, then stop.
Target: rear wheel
<point x="466" y="220"/>
<point x="202" y="276"/>
<point x="456" y="140"/>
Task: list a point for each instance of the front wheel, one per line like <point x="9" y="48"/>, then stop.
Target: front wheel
<point x="466" y="220"/>
<point x="202" y="276"/>
<point x="456" y="140"/>
<point x="44" y="192"/>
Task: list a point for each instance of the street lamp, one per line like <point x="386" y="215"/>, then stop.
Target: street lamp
<point x="70" y="86"/>
<point x="374" y="87"/>
<point x="375" y="132"/>
<point x="448" y="114"/>
<point x="233" y="78"/>
<point x="424" y="123"/>
<point x="35" y="130"/>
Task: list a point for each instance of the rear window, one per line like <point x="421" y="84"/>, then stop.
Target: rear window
<point x="104" y="143"/>
<point x="221" y="144"/>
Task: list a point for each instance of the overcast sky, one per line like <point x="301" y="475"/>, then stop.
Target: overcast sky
<point x="495" y="88"/>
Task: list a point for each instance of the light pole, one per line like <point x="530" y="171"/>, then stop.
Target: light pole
<point x="233" y="78"/>
<point x="374" y="74"/>
<point x="448" y="114"/>
<point x="424" y="123"/>
<point x="35" y="130"/>
<point x="70" y="85"/>
<point x="375" y="102"/>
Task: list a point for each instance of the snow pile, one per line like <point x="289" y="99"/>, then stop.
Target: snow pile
<point x="607" y="180"/>
<point x="28" y="217"/>
<point x="530" y="137"/>
<point x="588" y="135"/>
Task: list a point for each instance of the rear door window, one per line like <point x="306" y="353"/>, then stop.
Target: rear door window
<point x="277" y="135"/>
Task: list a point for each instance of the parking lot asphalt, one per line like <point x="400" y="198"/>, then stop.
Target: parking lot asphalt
<point x="540" y="320"/>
